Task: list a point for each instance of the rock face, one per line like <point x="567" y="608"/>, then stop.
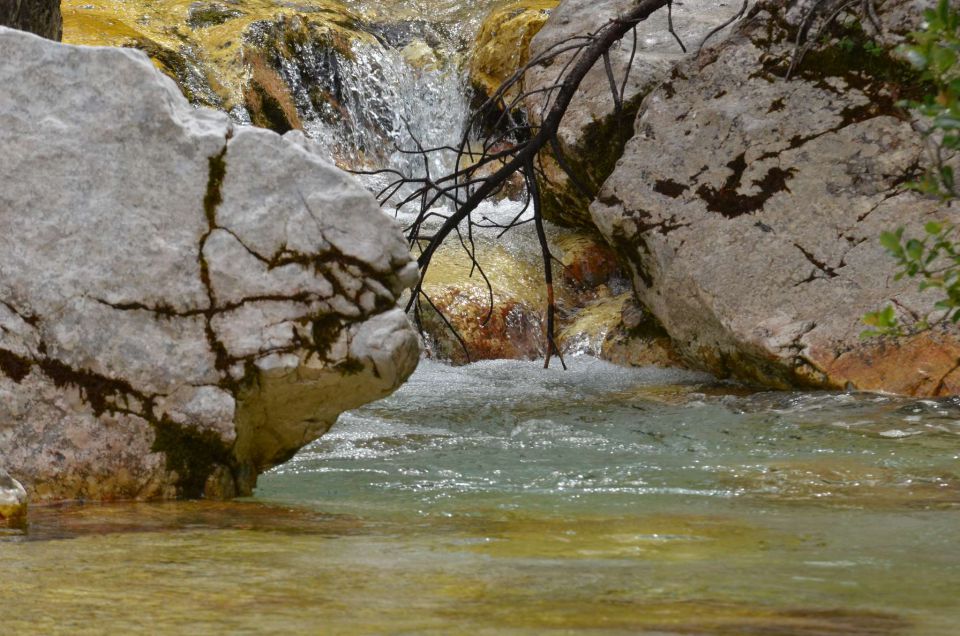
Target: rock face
<point x="183" y="304"/>
<point x="36" y="16"/>
<point x="593" y="133"/>
<point x="13" y="501"/>
<point x="750" y="206"/>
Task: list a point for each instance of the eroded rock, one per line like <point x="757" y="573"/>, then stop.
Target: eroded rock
<point x="750" y="206"/>
<point x="183" y="304"/>
<point x="596" y="314"/>
<point x="503" y="42"/>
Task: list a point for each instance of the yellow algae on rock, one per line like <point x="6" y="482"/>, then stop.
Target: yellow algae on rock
<point x="206" y="47"/>
<point x="502" y="45"/>
<point x="509" y="328"/>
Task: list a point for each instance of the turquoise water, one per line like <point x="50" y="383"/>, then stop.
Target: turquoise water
<point x="500" y="498"/>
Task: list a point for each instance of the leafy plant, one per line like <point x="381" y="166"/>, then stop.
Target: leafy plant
<point x="935" y="257"/>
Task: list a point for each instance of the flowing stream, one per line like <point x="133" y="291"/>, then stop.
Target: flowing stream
<point x="501" y="498"/>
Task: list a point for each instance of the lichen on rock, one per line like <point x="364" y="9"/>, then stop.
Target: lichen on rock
<point x="593" y="132"/>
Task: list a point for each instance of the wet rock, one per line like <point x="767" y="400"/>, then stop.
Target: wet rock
<point x="183" y="304"/>
<point x="587" y="260"/>
<point x="593" y="132"/>
<point x="608" y="329"/>
<point x="42" y="17"/>
<point x="500" y="322"/>
<point x="205" y="14"/>
<point x="13" y="502"/>
<point x="267" y="97"/>
<point x="503" y="43"/>
<point x="279" y="60"/>
<point x="596" y="314"/>
<point x="749" y="207"/>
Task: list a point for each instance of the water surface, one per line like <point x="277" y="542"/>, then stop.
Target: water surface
<point x="500" y="498"/>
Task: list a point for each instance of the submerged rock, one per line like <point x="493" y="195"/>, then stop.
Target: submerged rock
<point x="750" y="206"/>
<point x="183" y="304"/>
<point x="42" y="17"/>
<point x="13" y="501"/>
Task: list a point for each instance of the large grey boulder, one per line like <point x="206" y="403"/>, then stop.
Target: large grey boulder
<point x="750" y="208"/>
<point x="42" y="17"/>
<point x="183" y="304"/>
<point x="594" y="132"/>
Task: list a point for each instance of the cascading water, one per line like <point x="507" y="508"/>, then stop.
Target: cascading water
<point x="390" y="102"/>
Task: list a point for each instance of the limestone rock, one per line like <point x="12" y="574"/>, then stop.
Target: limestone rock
<point x="593" y="134"/>
<point x="42" y="17"/>
<point x="183" y="304"/>
<point x="750" y="208"/>
<point x="13" y="501"/>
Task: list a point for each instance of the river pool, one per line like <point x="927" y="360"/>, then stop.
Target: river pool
<point x="500" y="498"/>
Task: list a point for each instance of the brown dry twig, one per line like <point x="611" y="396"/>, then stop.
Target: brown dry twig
<point x="512" y="147"/>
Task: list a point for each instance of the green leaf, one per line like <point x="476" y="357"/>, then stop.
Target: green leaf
<point x="891" y="242"/>
<point x="942" y="60"/>
<point x="914" y="249"/>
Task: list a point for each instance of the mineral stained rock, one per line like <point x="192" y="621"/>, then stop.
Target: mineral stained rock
<point x="183" y="304"/>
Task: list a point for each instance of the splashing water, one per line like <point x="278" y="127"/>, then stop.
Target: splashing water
<point x="390" y="105"/>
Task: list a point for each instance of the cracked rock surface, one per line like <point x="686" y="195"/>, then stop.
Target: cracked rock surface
<point x="750" y="209"/>
<point x="183" y="304"/>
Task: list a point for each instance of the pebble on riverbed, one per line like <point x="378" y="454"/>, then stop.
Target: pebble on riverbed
<point x="13" y="502"/>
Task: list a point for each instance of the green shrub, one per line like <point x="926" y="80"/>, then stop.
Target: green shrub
<point x="935" y="257"/>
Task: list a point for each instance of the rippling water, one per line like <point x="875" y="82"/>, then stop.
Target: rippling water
<point x="500" y="498"/>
